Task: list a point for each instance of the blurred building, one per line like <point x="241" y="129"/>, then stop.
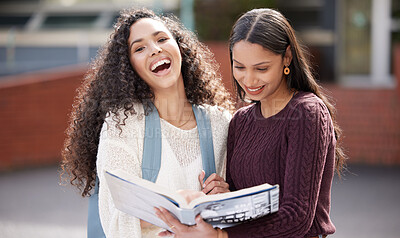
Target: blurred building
<point x="351" y="39"/>
<point x="42" y="34"/>
<point x="353" y="45"/>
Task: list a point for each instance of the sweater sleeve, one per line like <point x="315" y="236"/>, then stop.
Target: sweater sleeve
<point x="117" y="150"/>
<point x="308" y="134"/>
<point x="230" y="145"/>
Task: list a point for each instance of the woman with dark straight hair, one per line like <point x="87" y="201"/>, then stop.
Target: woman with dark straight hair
<point x="287" y="136"/>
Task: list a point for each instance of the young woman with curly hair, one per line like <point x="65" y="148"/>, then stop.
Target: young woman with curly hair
<point x="288" y="136"/>
<point x="148" y="59"/>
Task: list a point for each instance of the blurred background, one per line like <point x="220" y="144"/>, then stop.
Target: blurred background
<point x="45" y="49"/>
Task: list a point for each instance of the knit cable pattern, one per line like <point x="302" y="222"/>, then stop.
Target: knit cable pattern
<point x="290" y="149"/>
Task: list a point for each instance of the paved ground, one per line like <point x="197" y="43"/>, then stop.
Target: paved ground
<point x="33" y="204"/>
<point x="366" y="203"/>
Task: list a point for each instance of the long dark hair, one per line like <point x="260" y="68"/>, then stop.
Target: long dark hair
<point x="270" y="29"/>
<point x="111" y="84"/>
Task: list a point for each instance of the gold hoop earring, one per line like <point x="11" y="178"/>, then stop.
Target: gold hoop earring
<point x="286" y="70"/>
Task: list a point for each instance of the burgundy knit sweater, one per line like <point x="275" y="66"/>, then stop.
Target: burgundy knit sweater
<point x="295" y="149"/>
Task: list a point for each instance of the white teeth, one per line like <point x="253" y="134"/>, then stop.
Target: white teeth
<point x="161" y="62"/>
<point x="254" y="89"/>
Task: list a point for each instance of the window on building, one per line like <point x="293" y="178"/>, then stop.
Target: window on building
<point x="69" y="22"/>
<point x="355" y="53"/>
<point x="13" y="21"/>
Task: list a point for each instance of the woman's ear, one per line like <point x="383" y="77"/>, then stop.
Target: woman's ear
<point x="287" y="59"/>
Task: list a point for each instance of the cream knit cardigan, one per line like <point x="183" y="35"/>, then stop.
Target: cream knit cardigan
<point x="180" y="162"/>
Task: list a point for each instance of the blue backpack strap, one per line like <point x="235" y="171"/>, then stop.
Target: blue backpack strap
<point x="94" y="228"/>
<point x="206" y="139"/>
<point x="151" y="161"/>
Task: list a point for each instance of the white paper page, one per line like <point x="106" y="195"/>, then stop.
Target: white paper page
<point x="137" y="201"/>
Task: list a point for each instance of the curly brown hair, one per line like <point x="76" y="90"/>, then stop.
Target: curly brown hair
<point x="111" y="84"/>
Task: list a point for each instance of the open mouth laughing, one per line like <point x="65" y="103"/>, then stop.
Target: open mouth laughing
<point x="161" y="66"/>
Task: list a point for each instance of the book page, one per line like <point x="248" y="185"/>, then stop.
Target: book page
<point x="230" y="195"/>
<point x="171" y="195"/>
<point x="141" y="200"/>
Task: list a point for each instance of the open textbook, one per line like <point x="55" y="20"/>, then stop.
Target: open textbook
<point x="138" y="197"/>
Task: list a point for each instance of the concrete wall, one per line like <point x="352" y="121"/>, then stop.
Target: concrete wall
<point x="34" y="113"/>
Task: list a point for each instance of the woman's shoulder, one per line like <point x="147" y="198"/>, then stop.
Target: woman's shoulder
<point x="217" y="113"/>
<point x="308" y="101"/>
<point x="127" y="118"/>
<point x="137" y="112"/>
<point x="307" y="105"/>
<point x="244" y="111"/>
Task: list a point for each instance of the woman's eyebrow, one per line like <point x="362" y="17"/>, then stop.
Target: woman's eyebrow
<point x="236" y="61"/>
<point x="141" y="39"/>
<point x="264" y="62"/>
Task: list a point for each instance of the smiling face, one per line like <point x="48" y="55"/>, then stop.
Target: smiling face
<point x="154" y="54"/>
<point x="259" y="71"/>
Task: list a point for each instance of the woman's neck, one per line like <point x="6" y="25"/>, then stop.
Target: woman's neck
<point x="173" y="106"/>
<point x="276" y="102"/>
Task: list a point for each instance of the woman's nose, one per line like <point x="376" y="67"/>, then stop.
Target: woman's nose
<point x="155" y="49"/>
<point x="249" y="79"/>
